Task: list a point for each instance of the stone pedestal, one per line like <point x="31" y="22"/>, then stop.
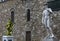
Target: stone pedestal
<point x="7" y="38"/>
<point x="49" y="38"/>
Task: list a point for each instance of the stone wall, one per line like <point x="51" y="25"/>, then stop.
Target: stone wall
<point x="20" y="19"/>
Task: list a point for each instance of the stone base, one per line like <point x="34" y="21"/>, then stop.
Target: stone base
<point x="7" y="38"/>
<point x="49" y="38"/>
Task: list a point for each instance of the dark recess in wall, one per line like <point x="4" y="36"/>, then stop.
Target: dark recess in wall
<point x="12" y="16"/>
<point x="28" y="14"/>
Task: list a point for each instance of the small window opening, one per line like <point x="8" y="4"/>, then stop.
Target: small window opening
<point x="12" y="16"/>
<point x="28" y="14"/>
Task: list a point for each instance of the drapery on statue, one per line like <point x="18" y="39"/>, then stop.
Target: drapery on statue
<point x="46" y="20"/>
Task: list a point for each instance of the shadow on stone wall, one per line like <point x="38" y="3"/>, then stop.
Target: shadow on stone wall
<point x="55" y="5"/>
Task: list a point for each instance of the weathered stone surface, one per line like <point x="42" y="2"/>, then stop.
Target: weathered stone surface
<point x="49" y="38"/>
<point x="20" y="19"/>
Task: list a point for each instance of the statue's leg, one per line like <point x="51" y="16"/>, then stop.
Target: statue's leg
<point x="50" y="30"/>
<point x="42" y="20"/>
<point x="47" y="29"/>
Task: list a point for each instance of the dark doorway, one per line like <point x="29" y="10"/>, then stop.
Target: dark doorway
<point x="28" y="35"/>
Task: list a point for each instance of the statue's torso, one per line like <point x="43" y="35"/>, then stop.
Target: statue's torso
<point x="46" y="14"/>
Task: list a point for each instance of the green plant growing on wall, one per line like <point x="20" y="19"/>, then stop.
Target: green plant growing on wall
<point x="9" y="28"/>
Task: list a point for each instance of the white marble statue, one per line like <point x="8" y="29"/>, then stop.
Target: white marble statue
<point x="46" y="20"/>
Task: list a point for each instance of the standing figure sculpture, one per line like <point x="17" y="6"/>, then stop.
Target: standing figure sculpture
<point x="46" y="20"/>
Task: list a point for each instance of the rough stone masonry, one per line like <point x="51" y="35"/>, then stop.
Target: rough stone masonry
<point x="21" y="25"/>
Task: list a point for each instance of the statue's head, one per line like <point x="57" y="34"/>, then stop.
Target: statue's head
<point x="45" y="6"/>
